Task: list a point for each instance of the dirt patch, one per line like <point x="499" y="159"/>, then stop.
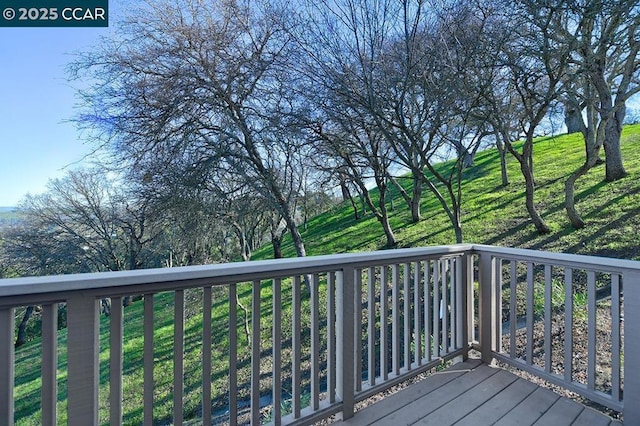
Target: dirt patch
<point x="603" y="351"/>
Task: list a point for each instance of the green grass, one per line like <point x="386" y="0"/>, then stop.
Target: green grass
<point x="491" y="215"/>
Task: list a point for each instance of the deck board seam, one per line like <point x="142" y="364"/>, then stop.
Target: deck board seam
<point x="438" y="389"/>
<point x="527" y="395"/>
<point x="458" y="373"/>
<point x="452" y="397"/>
<point x="473" y="389"/>
<point x="557" y="398"/>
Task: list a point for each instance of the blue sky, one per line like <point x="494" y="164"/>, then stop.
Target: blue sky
<point x="36" y="99"/>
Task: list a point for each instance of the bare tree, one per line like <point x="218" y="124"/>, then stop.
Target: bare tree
<point x="345" y="42"/>
<point x="602" y="78"/>
<point x="608" y="48"/>
<point x="84" y="223"/>
<point x="533" y="65"/>
<point x="362" y="154"/>
<point x="199" y="85"/>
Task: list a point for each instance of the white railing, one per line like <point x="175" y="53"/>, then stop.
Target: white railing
<point x="341" y="328"/>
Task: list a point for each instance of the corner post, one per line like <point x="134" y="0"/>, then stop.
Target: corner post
<point x="82" y="359"/>
<point x="465" y="291"/>
<point x="631" y="290"/>
<point x="488" y="312"/>
<point x="7" y="365"/>
<point x="345" y="317"/>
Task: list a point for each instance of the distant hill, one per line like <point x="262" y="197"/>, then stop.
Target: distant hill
<point x="8" y="216"/>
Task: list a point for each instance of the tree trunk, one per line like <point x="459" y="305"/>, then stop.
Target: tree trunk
<point x="526" y="162"/>
<point x="383" y="218"/>
<point x="298" y="243"/>
<point x="388" y="232"/>
<point x="277" y="247"/>
<point x="457" y="228"/>
<point x="453" y="212"/>
<point x="416" y="195"/>
<point x="22" y="328"/>
<point x="403" y="193"/>
<point x="593" y="139"/>
<point x="530" y="188"/>
<point x="613" y="156"/>
<point x="106" y="306"/>
<point x="569" y="198"/>
<point x="573" y="119"/>
<point x="363" y="204"/>
<point x="380" y="212"/>
<point x="346" y="195"/>
<point x="502" y="151"/>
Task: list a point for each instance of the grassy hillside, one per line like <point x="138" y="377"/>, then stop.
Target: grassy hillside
<point x="491" y="215"/>
<point x="496" y="215"/>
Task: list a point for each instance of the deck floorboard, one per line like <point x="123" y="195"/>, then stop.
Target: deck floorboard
<point x="475" y="394"/>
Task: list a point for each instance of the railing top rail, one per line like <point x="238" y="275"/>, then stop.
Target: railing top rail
<point x="598" y="263"/>
<point x="152" y="279"/>
<point x="215" y="274"/>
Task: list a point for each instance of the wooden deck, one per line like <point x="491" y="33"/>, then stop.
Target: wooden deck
<point x="475" y="394"/>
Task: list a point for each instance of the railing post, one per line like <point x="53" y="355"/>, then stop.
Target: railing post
<point x="7" y="354"/>
<point x="82" y="359"/>
<point x="487" y="314"/>
<point x="465" y="295"/>
<point x="631" y="291"/>
<point x="345" y="317"/>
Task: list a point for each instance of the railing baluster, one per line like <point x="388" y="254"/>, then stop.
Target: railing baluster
<point x="436" y="308"/>
<point x="331" y="336"/>
<point x="206" y="354"/>
<point x="591" y="330"/>
<point x="116" y="334"/>
<point x="615" y="337"/>
<point x="548" y="287"/>
<point x="568" y="324"/>
<point x="395" y="319"/>
<point x="452" y="305"/>
<point x="444" y="302"/>
<point x="345" y="333"/>
<point x="530" y="313"/>
<point x="49" y="390"/>
<point x="148" y="360"/>
<point x="255" y="352"/>
<point x="7" y="365"/>
<point x="371" y="324"/>
<point x="357" y="334"/>
<point x="277" y="351"/>
<point x="513" y="306"/>
<point x="488" y="310"/>
<point x="178" y="357"/>
<point x="384" y="313"/>
<point x="406" y="298"/>
<point x="315" y="343"/>
<point x="461" y="300"/>
<point x="233" y="355"/>
<point x="631" y="291"/>
<point x="469" y="302"/>
<point x="427" y="310"/>
<point x="417" y="336"/>
<point x="83" y="367"/>
<point x="497" y="306"/>
<point x="296" y="353"/>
